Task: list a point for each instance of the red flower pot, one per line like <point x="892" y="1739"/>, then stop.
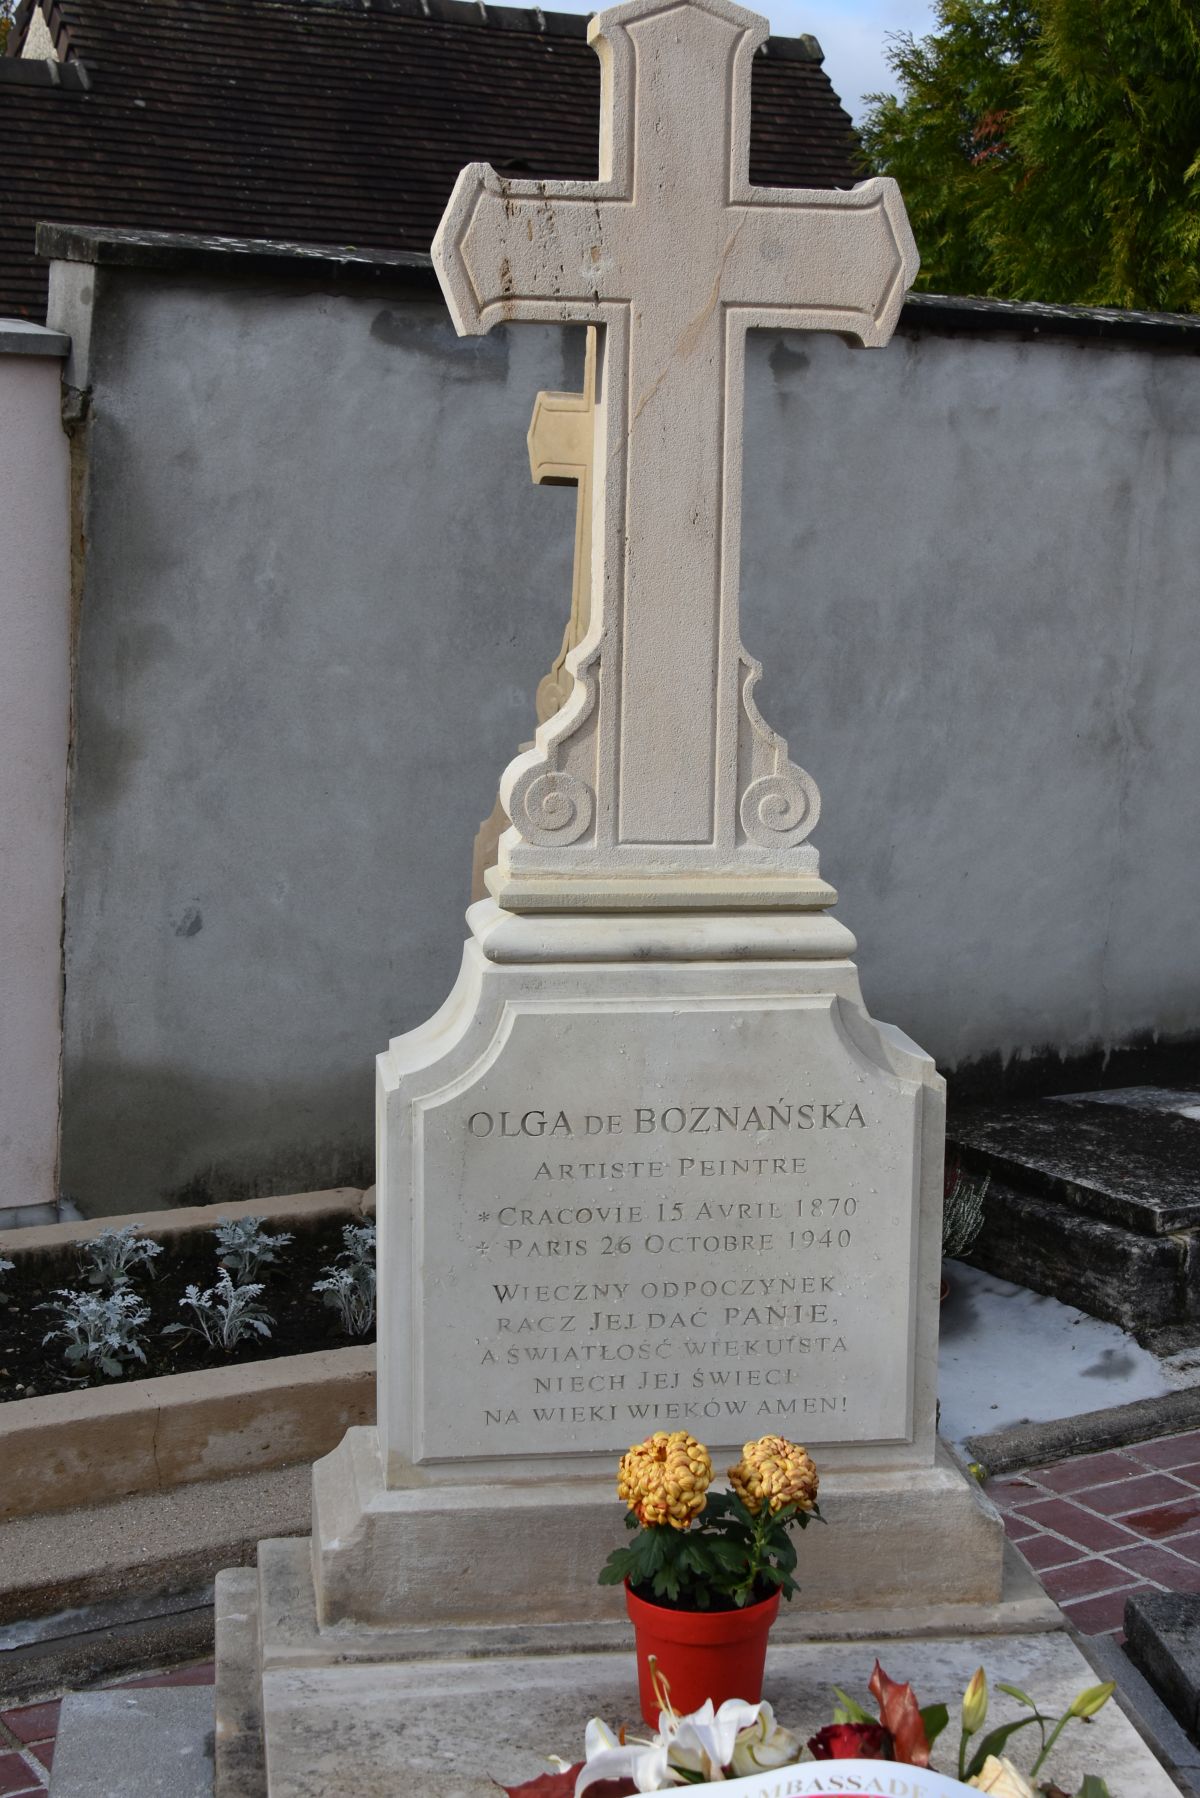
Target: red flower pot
<point x="701" y="1654"/>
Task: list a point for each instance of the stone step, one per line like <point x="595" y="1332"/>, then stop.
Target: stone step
<point x="156" y="1742"/>
<point x="106" y="1589"/>
<point x="1094" y="1198"/>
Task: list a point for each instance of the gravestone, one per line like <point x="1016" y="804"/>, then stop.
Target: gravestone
<point x="653" y="1164"/>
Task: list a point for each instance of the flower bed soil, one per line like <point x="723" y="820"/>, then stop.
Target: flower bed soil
<point x="302" y="1322"/>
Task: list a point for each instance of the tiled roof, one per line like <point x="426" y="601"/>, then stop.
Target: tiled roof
<point x="326" y="121"/>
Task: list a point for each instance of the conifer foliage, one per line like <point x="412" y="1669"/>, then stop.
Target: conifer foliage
<point x="1050" y="150"/>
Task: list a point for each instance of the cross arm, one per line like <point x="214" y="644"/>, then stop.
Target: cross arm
<point x="522" y="249"/>
<point x="822" y="260"/>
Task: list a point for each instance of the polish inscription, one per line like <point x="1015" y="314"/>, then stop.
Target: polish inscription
<point x="732" y="1262"/>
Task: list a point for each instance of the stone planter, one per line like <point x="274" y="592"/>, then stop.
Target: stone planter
<point x="67" y="1449"/>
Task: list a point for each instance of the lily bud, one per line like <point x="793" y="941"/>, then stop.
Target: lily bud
<point x="1093" y="1700"/>
<point x="975" y="1703"/>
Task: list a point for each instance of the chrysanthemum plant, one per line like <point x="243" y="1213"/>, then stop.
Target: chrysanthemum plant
<point x="699" y="1550"/>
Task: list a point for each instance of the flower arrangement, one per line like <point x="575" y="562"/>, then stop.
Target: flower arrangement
<point x="699" y="1550"/>
<point x="744" y="1742"/>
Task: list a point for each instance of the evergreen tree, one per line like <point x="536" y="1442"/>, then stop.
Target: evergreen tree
<point x="1050" y="149"/>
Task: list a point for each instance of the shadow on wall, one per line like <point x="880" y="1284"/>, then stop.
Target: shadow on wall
<point x="255" y="1140"/>
<point x="1146" y="1060"/>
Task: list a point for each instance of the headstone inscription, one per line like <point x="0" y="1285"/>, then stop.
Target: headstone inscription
<point x="653" y="1164"/>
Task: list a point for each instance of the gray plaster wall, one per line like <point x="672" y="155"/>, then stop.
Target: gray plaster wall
<point x="319" y="590"/>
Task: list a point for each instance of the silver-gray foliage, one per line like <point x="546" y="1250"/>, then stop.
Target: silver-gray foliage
<point x="244" y="1247"/>
<point x="6" y="1267"/>
<point x="348" y="1284"/>
<point x="225" y="1314"/>
<point x="101" y="1329"/>
<point x="963" y="1213"/>
<point x="109" y="1259"/>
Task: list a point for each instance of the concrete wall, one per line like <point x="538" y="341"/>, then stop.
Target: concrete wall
<point x="34" y="703"/>
<point x="320" y="590"/>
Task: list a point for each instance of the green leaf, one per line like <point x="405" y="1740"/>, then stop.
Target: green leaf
<point x="995" y="1743"/>
<point x="1016" y="1692"/>
<point x="1093" y="1787"/>
<point x="854" y="1711"/>
<point x="935" y="1718"/>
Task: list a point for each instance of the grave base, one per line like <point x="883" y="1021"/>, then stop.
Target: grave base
<point x="445" y="1711"/>
<point x="507" y="1552"/>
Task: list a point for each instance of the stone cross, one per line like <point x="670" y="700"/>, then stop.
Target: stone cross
<point x="560" y="455"/>
<point x="658" y="785"/>
<point x="561" y="434"/>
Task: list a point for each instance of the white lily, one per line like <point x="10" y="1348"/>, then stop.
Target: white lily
<point x="762" y="1745"/>
<point x="704" y="1741"/>
<point x="607" y="1757"/>
<point x="1002" y="1779"/>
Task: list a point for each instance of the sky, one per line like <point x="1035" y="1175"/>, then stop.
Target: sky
<point x="852" y="33"/>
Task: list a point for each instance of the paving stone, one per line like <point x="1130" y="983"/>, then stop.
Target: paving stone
<point x="1086" y="1470"/>
<point x="16" y="1775"/>
<point x="1123" y="1496"/>
<point x="1043" y="1551"/>
<point x="1171" y="1451"/>
<point x="1161" y="1566"/>
<point x="1100" y="1616"/>
<point x="33" y="1722"/>
<point x="1162" y="1521"/>
<point x="1084" y="1579"/>
<point x="1078" y="1525"/>
<point x="148" y="1743"/>
<point x="1162" y="1632"/>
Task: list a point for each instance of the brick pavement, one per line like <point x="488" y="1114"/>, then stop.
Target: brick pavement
<point x="1101" y="1527"/>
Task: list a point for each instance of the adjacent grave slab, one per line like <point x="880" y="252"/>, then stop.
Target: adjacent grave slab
<point x="1096" y="1201"/>
<point x="156" y="1742"/>
<point x="1162" y="1637"/>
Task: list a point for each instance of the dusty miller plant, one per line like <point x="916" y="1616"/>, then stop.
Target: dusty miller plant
<point x="244" y="1247"/>
<point x="962" y="1212"/>
<point x="6" y="1267"/>
<point x="348" y="1284"/>
<point x="224" y="1315"/>
<point x="109" y="1260"/>
<point x="101" y="1329"/>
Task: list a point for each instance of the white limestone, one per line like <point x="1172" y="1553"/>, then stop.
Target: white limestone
<point x="659" y="765"/>
<point x="623" y="1197"/>
<point x="450" y="1729"/>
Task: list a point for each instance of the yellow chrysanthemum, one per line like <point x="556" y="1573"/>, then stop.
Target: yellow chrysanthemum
<point x="775" y="1472"/>
<point x="665" y="1478"/>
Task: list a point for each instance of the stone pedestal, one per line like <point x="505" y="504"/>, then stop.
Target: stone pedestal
<point x="511" y="1553"/>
